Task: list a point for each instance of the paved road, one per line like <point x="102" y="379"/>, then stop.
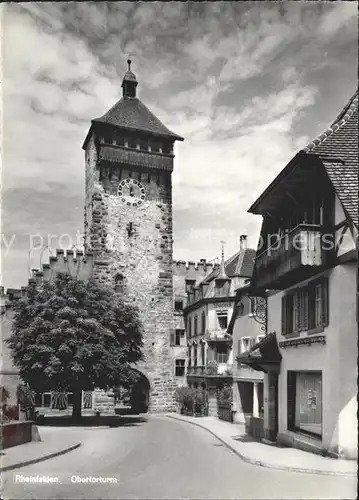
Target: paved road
<point x="161" y="458"/>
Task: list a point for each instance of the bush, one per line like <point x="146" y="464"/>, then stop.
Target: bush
<point x="184" y="398"/>
<point x="192" y="401"/>
<point x="224" y="396"/>
<point x="26" y="399"/>
<point x="4" y="394"/>
<point x="10" y="412"/>
<point x="200" y="401"/>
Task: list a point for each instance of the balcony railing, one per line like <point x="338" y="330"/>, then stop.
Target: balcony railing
<point x="218" y="335"/>
<point x="211" y="370"/>
<point x="297" y="252"/>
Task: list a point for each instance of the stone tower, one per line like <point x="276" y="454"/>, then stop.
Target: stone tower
<point x="128" y="224"/>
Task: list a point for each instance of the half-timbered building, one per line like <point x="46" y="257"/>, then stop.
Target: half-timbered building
<point x="306" y="264"/>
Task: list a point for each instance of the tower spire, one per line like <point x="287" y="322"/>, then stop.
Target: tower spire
<point x="129" y="82"/>
<point x="222" y="275"/>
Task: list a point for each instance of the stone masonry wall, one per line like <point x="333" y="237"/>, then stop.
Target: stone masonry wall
<point x="144" y="259"/>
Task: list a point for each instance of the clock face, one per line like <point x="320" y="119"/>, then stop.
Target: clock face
<point x="131" y="192"/>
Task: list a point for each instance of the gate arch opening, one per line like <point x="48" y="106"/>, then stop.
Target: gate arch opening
<point x="140" y="394"/>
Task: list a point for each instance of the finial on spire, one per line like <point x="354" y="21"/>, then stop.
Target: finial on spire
<point x="223" y="243"/>
<point x="129" y="82"/>
<point x="222" y="275"/>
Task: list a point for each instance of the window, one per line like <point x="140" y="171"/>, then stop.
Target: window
<point x="195" y="355"/>
<point x="180" y="368"/>
<point x="195" y="325"/>
<point x="252" y="305"/>
<point x="222" y="319"/>
<point x="189" y="323"/>
<point x="222" y="354"/>
<point x="246" y="343"/>
<point x="306" y="309"/>
<point x="304" y="393"/>
<point x="202" y="361"/>
<point x="203" y="322"/>
<point x="190" y="284"/>
<point x="178" y="305"/>
<point x="189" y="354"/>
<point x="222" y="289"/>
<point x="180" y="337"/>
<point x="260" y="337"/>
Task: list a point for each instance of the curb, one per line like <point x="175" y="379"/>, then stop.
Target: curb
<point x="40" y="459"/>
<point x="265" y="464"/>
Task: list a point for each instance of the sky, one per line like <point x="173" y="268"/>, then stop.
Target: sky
<point x="247" y="84"/>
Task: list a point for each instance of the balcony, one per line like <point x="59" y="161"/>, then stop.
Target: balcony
<point x="294" y="257"/>
<point x="218" y="335"/>
<point x="212" y="369"/>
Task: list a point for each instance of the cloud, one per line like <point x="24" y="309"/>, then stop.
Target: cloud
<point x="338" y="16"/>
<point x="246" y="84"/>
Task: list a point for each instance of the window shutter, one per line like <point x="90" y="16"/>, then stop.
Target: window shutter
<point x="311" y="306"/>
<point x="325" y="302"/>
<point x="291" y="390"/>
<point x="172" y="339"/>
<point x="284" y="315"/>
<point x="300" y="310"/>
<point x="296" y="311"/>
<point x="305" y="310"/>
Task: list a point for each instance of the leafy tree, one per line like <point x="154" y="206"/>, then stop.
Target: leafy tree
<point x="71" y="335"/>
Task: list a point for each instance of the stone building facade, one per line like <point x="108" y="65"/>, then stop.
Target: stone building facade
<point x="128" y="225"/>
<point x="185" y="275"/>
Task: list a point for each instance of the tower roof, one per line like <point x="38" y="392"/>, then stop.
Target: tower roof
<point x="131" y="114"/>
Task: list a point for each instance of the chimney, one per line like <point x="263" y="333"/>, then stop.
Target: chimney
<point x="243" y="241"/>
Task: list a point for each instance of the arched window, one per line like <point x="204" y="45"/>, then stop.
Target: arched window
<point x="119" y="283"/>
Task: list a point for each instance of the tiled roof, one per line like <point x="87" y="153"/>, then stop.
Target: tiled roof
<point x="345" y="182"/>
<point x="132" y="114"/>
<point x="247" y="264"/>
<point x="340" y="142"/>
<point x="136" y="158"/>
<point x="240" y="264"/>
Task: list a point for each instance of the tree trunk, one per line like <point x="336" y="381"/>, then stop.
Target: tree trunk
<point x="77" y="403"/>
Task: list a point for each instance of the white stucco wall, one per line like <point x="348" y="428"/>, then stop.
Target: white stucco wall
<point x="337" y="360"/>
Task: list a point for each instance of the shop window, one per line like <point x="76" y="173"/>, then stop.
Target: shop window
<point x="180" y="337"/>
<point x="304" y="393"/>
<point x="306" y="309"/>
<point x="180" y="368"/>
